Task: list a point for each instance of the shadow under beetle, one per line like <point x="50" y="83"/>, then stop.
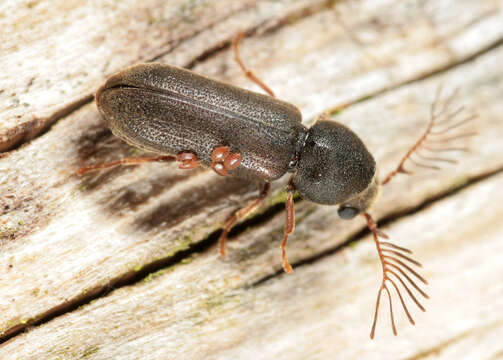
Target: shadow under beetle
<point x="196" y="121"/>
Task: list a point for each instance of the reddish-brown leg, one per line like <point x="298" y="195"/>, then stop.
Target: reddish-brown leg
<point x="289" y="225"/>
<point x="248" y="73"/>
<point x="124" y="161"/>
<point x="187" y="160"/>
<point x="240" y="214"/>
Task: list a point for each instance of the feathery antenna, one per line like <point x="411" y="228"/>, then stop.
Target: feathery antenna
<point x="395" y="268"/>
<point x="439" y="138"/>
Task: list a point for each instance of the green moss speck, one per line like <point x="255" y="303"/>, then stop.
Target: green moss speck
<point x="460" y="182"/>
<point x="278" y="198"/>
<point x="336" y="112"/>
<point x="89" y="351"/>
<point x="186" y="261"/>
<point x="364" y="98"/>
<point x="154" y="275"/>
<point x="182" y="244"/>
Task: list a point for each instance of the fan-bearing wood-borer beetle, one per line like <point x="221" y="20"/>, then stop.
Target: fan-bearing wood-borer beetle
<point x="195" y="120"/>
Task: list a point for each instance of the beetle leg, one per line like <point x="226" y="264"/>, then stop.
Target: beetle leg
<point x="125" y="161"/>
<point x="289" y="225"/>
<point x="222" y="160"/>
<point x="248" y="73"/>
<point x="240" y="214"/>
<point x="188" y="160"/>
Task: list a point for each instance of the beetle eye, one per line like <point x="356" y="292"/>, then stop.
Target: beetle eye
<point x="347" y="212"/>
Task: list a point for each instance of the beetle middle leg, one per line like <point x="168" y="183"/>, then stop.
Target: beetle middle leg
<point x="187" y="160"/>
<point x="240" y="214"/>
<point x="248" y="73"/>
<point x="289" y="225"/>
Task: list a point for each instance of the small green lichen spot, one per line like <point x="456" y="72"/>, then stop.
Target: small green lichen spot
<point x="460" y="182"/>
<point x="89" y="351"/>
<point x="154" y="276"/>
<point x="183" y="244"/>
<point x="364" y="98"/>
<point x="277" y="199"/>
<point x="137" y="268"/>
<point x="335" y="112"/>
<point x="186" y="261"/>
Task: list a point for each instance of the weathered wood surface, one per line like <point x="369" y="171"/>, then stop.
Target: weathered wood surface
<point x="69" y="240"/>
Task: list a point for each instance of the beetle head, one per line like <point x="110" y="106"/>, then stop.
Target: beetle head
<point x="335" y="167"/>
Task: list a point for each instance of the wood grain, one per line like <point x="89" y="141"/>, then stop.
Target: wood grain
<point x="68" y="240"/>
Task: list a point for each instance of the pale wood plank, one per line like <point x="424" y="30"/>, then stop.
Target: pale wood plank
<point x="53" y="238"/>
<point x="200" y="310"/>
<point x="58" y="52"/>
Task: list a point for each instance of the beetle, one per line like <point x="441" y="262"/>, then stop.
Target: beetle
<point x="195" y="120"/>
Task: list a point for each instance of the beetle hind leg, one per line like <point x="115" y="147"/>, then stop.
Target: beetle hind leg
<point x="240" y="214"/>
<point x="289" y="224"/>
<point x="187" y="160"/>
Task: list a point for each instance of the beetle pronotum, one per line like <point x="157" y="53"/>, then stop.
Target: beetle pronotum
<point x="195" y="121"/>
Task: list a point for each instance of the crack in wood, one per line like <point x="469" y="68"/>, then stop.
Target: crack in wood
<point x="133" y="277"/>
<point x="288" y="19"/>
<point x="20" y="136"/>
<point x="451" y="66"/>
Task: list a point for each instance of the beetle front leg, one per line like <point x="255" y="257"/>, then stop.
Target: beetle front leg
<point x="240" y="214"/>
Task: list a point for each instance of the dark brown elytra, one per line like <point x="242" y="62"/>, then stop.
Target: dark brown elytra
<point x="194" y="120"/>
